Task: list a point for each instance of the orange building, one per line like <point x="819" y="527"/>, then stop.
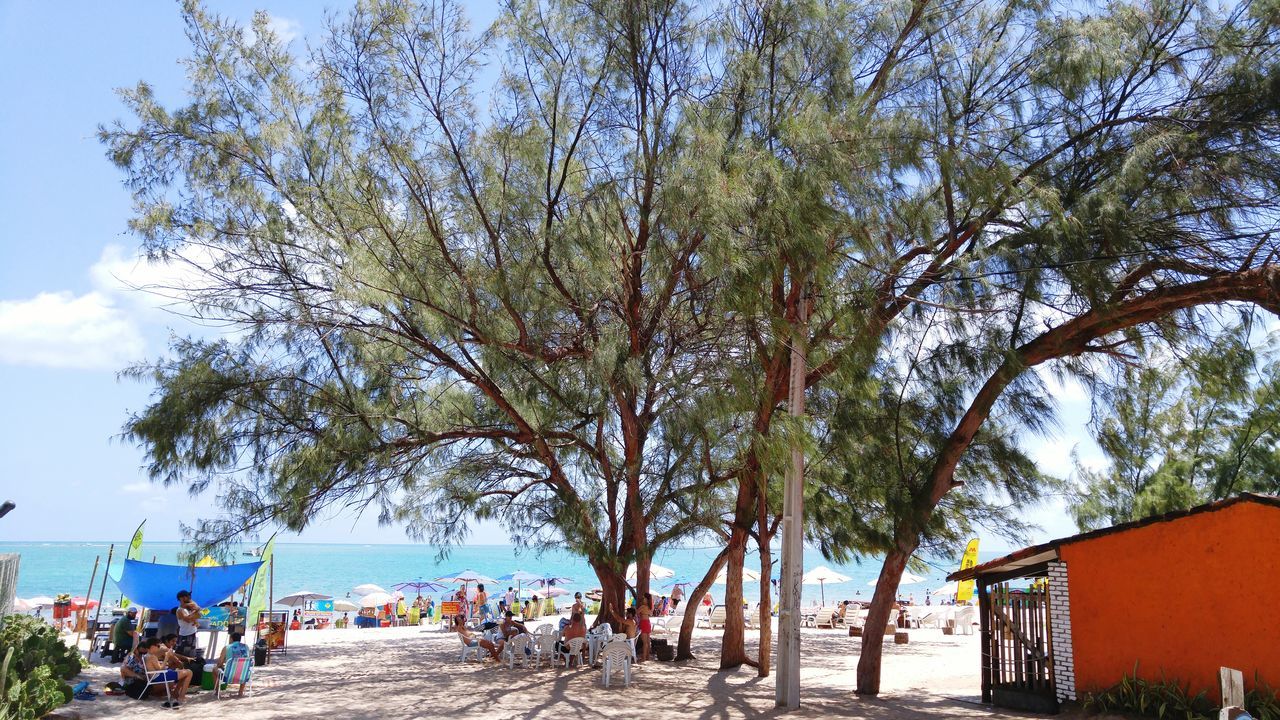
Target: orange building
<point x="1177" y="596"/>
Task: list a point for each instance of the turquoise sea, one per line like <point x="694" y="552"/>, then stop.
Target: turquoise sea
<point x="52" y="568"/>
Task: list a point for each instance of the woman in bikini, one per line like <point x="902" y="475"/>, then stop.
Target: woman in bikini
<point x="644" y="609"/>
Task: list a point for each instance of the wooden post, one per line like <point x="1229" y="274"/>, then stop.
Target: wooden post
<point x="787" y="692"/>
<point x="103" y="592"/>
<point x="984" y="620"/>
<point x="84" y="609"/>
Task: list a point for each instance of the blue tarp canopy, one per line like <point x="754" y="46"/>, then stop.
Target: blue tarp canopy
<point x="156" y="586"/>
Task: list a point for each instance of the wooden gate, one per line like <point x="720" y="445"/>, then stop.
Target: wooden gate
<point x="1016" y="651"/>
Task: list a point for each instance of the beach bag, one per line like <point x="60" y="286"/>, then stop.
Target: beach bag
<point x="135" y="688"/>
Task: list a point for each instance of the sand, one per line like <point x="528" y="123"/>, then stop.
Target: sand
<point x="415" y="672"/>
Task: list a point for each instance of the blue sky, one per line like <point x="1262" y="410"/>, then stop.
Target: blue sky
<point x="68" y="321"/>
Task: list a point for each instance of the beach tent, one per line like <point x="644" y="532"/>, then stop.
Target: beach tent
<point x="155" y="586"/>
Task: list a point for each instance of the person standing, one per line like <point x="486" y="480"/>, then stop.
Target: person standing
<point x="677" y="594"/>
<point x="510" y="598"/>
<point x="188" y="623"/>
<point x="482" y="602"/>
<point x="644" y="609"/>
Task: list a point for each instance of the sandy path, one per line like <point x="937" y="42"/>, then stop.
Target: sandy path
<point x="415" y="672"/>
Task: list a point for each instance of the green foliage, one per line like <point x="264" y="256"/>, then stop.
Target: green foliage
<point x="1170" y="700"/>
<point x="1163" y="699"/>
<point x="1184" y="430"/>
<point x="37" y="670"/>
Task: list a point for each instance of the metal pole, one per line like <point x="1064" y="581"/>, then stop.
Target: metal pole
<point x="84" y="610"/>
<point x="788" y="681"/>
<point x="271" y="602"/>
<point x="102" y="593"/>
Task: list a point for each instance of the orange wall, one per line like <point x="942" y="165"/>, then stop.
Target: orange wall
<point x="1183" y="597"/>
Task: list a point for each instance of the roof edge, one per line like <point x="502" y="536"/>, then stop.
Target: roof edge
<point x="995" y="565"/>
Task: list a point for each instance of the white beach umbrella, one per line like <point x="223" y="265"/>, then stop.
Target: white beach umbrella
<point x="948" y="590"/>
<point x="656" y="572"/>
<point x="345" y="606"/>
<point x="367" y="588"/>
<point x="907" y="579"/>
<point x="21" y="605"/>
<point x="822" y="575"/>
<point x="40" y="601"/>
<point x="376" y="599"/>
<point x="466" y="577"/>
<point x="748" y="575"/>
<point x="301" y="597"/>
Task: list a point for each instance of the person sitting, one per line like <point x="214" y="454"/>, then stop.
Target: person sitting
<point x="124" y="633"/>
<point x="512" y="627"/>
<point x="464" y="634"/>
<point x="234" y="649"/>
<point x="133" y="671"/>
<point x="430" y="608"/>
<point x="627" y="624"/>
<point x="576" y="627"/>
<point x="173" y="658"/>
<point x="178" y="680"/>
<point x="527" y="611"/>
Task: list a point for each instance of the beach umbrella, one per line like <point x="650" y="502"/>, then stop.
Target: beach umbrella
<point x="554" y="591"/>
<point x="748" y="575"/>
<point x="549" y="580"/>
<point x="465" y="577"/>
<point x="366" y="589"/>
<point x="678" y="582"/>
<point x="948" y="590"/>
<point x="822" y="575"/>
<point x="301" y="597"/>
<point x="40" y="601"/>
<point x="345" y="606"/>
<point x="520" y="577"/>
<point x="21" y="605"/>
<point x="80" y="603"/>
<point x="419" y="585"/>
<point x="376" y="599"/>
<point x="907" y="579"/>
<point x="656" y="572"/>
<point x="594" y="594"/>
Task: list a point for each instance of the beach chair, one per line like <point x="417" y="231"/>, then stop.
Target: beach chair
<point x="238" y="671"/>
<point x="718" y="616"/>
<point x="662" y="625"/>
<point x="543" y="646"/>
<point x="965" y="617"/>
<point x="617" y="656"/>
<point x="156" y="677"/>
<point x="517" y="650"/>
<point x="574" y="649"/>
<point x="825" y="618"/>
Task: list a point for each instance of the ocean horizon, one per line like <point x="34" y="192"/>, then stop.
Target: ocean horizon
<point x="53" y="567"/>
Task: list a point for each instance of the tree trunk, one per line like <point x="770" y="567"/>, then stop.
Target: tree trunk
<point x="733" y="648"/>
<point x="895" y="562"/>
<point x="692" y="601"/>
<point x="613" y="587"/>
<point x="765" y="617"/>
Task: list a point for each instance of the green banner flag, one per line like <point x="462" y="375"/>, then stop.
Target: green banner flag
<point x="135" y="553"/>
<point x="258" y="592"/>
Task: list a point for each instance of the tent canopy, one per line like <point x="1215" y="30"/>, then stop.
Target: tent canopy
<point x="156" y="586"/>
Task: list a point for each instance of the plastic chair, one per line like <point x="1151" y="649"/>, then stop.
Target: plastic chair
<point x="517" y="650"/>
<point x="573" y="648"/>
<point x="617" y="655"/>
<point x="543" y="646"/>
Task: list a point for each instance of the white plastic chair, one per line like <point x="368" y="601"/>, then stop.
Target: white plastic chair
<point x="965" y="618"/>
<point x="514" y="650"/>
<point x="543" y="646"/>
<point x="473" y="650"/>
<point x="617" y="655"/>
<point x="574" y="648"/>
<point x="596" y="640"/>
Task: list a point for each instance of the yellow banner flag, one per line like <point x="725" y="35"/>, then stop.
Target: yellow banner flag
<point x="134" y="553"/>
<point x="964" y="591"/>
<point x="258" y="593"/>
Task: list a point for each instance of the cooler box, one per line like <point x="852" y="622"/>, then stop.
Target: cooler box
<point x="206" y="681"/>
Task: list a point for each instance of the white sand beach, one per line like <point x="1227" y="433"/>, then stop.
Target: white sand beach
<point x="414" y="672"/>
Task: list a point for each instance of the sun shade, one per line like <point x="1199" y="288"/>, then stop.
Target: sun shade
<point x="156" y="586"/>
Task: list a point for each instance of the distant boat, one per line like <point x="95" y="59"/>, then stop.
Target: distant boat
<point x="256" y="552"/>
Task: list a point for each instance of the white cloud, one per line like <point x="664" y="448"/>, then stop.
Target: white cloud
<point x="137" y="487"/>
<point x="104" y="328"/>
<point x="284" y="28"/>
<point x="64" y="330"/>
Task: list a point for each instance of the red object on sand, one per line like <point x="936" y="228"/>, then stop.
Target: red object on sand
<point x="80" y="603"/>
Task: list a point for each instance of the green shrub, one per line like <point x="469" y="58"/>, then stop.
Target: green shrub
<point x="37" y="644"/>
<point x="1166" y="699"/>
<point x="1154" y="698"/>
<point x="34" y="667"/>
<point x="1262" y="702"/>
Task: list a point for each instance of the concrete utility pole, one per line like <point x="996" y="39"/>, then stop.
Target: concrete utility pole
<point x="788" y="688"/>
